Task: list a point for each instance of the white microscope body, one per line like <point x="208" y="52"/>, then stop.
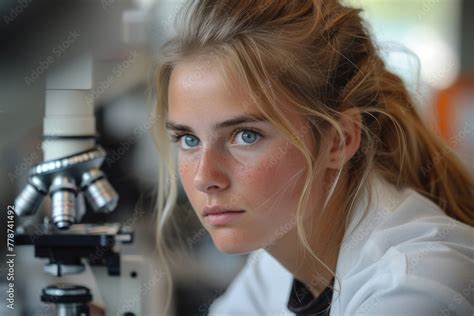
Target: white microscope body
<point x="85" y="265"/>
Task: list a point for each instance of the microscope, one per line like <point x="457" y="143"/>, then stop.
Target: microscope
<point x="70" y="176"/>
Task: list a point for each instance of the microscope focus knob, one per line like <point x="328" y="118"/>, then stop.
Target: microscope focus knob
<point x="70" y="299"/>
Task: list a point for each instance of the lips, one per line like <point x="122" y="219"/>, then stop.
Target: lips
<point x="217" y="216"/>
<point x="216" y="209"/>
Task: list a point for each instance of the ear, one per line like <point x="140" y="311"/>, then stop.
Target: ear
<point x="350" y="124"/>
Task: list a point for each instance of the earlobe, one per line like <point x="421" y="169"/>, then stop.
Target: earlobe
<point x="350" y="125"/>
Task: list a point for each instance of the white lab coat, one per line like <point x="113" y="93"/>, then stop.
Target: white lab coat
<point x="405" y="258"/>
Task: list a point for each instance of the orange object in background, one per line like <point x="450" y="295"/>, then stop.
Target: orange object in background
<point x="454" y="107"/>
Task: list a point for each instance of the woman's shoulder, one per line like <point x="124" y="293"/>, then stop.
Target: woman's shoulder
<point x="399" y="218"/>
<point x="417" y="276"/>
<point x="413" y="254"/>
<point x="419" y="220"/>
<point x="414" y="227"/>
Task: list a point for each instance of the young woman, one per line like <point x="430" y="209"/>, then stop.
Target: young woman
<point x="291" y="136"/>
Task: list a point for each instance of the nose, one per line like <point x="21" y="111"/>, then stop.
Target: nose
<point x="211" y="174"/>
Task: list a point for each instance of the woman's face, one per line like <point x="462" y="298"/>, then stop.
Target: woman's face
<point x="247" y="166"/>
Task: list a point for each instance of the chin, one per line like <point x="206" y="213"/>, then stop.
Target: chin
<point x="231" y="244"/>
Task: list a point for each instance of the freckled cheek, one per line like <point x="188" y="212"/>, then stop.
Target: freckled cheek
<point x="264" y="178"/>
<point x="186" y="170"/>
<point x="250" y="172"/>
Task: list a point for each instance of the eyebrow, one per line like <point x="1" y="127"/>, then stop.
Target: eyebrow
<point x="230" y="122"/>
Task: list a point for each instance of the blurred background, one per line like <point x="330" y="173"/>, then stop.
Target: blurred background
<point x="428" y="42"/>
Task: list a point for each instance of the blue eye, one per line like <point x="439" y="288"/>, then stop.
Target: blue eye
<point x="249" y="136"/>
<point x="190" y="140"/>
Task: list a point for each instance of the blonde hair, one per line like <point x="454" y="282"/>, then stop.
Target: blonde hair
<point x="318" y="56"/>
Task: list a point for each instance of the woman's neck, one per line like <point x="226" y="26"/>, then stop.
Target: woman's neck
<point x="324" y="238"/>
